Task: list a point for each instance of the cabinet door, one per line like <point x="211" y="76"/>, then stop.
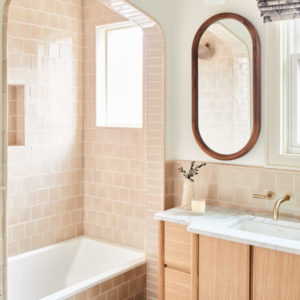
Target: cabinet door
<point x="276" y="275"/>
<point x="178" y="247"/>
<point x="224" y="270"/>
<point x="177" y="285"/>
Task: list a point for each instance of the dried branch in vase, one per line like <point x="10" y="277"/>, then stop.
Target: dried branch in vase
<point x="194" y="170"/>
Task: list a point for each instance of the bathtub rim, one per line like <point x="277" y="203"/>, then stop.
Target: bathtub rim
<point x="90" y="282"/>
<point x="44" y="249"/>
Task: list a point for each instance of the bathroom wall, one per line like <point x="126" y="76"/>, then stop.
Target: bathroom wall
<point x="2" y="176"/>
<point x="124" y="168"/>
<point x="45" y="190"/>
<point x="114" y="158"/>
<point x="233" y="186"/>
<point x="180" y="21"/>
<point x="223" y="183"/>
<point x="187" y="18"/>
<point x="123" y="183"/>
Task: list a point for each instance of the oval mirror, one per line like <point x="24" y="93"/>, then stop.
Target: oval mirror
<point x="226" y="91"/>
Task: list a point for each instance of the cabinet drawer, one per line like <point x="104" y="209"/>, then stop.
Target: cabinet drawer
<point x="177" y="285"/>
<point x="178" y="244"/>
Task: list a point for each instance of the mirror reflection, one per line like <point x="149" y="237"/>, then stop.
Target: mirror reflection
<point x="224" y="87"/>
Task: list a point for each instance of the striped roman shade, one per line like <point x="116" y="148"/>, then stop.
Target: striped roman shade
<point x="276" y="10"/>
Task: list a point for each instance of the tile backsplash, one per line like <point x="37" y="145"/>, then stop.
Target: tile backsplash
<point x="233" y="186"/>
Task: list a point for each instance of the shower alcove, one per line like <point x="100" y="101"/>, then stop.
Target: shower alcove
<point x="68" y="177"/>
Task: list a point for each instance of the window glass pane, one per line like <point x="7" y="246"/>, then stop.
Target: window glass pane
<point x="297" y="36"/>
<point x="125" y="77"/>
<point x="291" y="80"/>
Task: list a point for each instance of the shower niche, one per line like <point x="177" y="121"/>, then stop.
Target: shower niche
<point x="16" y="124"/>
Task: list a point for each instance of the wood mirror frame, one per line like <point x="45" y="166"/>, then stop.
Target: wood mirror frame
<point x="256" y="64"/>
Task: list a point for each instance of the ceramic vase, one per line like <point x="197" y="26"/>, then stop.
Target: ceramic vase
<point x="188" y="194"/>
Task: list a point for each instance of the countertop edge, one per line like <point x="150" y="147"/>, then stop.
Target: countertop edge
<point x="213" y="224"/>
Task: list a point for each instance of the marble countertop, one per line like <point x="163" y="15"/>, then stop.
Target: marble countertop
<point x="219" y="222"/>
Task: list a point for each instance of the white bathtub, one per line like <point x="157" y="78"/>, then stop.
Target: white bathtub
<point x="65" y="269"/>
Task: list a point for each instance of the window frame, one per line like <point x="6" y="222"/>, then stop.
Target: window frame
<point x="294" y="146"/>
<point x="101" y="76"/>
<point x="280" y="44"/>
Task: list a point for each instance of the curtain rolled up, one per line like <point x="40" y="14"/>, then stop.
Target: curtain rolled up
<point x="276" y="10"/>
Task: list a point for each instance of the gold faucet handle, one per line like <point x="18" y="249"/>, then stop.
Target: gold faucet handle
<point x="269" y="196"/>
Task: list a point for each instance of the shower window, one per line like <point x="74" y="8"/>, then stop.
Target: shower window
<point x="119" y="76"/>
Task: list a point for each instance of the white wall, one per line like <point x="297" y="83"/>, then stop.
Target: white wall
<point x="180" y="20"/>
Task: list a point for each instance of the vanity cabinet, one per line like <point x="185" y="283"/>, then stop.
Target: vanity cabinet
<point x="223" y="270"/>
<point x="198" y="267"/>
<point x="178" y="268"/>
<point x="276" y="275"/>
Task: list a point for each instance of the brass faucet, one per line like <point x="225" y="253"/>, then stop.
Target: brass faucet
<point x="285" y="198"/>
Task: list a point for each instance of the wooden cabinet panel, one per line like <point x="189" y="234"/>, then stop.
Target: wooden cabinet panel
<point x="177" y="285"/>
<point x="178" y="247"/>
<point x="276" y="275"/>
<point x="224" y="270"/>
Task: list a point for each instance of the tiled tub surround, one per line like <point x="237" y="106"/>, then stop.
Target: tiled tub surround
<point x="233" y="186"/>
<point x="119" y="205"/>
<point x="84" y="267"/>
<point x="134" y="191"/>
<point x="128" y="286"/>
<point x="219" y="222"/>
<point x="114" y="158"/>
<point x="45" y="188"/>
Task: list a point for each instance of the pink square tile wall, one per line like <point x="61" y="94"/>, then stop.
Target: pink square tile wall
<point x="233" y="186"/>
<point x="128" y="286"/>
<point x="114" y="158"/>
<point x="45" y="188"/>
<point x="16" y="130"/>
<point x="124" y="168"/>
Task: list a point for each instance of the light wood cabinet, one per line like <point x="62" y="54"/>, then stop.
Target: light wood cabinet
<point x="276" y="275"/>
<point x="178" y="244"/>
<point x="178" y="263"/>
<point x="178" y="285"/>
<point x="224" y="269"/>
<point x="193" y="267"/>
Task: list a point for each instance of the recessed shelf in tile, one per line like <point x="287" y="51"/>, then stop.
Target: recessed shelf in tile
<point x="16" y="95"/>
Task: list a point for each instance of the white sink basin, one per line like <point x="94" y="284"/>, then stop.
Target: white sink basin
<point x="268" y="227"/>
